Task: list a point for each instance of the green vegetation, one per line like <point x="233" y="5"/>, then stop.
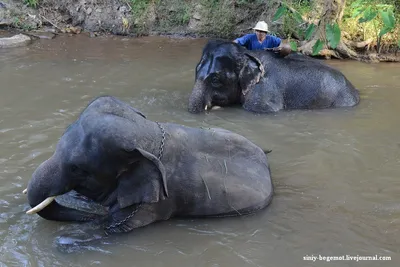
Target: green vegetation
<point x="31" y="3"/>
<point x="374" y="21"/>
<point x="139" y="7"/>
<point x="220" y="18"/>
<point x="173" y="13"/>
<point x="139" y="10"/>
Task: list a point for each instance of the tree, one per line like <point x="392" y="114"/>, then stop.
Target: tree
<point x="321" y="34"/>
<point x="326" y="39"/>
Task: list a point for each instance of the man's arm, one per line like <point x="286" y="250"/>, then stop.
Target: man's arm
<point x="276" y="41"/>
<point x="242" y="40"/>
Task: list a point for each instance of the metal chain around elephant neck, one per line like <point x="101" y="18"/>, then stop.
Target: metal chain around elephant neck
<point x="162" y="140"/>
<point x="115" y="225"/>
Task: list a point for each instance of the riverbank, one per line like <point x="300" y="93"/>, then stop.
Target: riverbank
<point x="134" y="18"/>
<point x="206" y="18"/>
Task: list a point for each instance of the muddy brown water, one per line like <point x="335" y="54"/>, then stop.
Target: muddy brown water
<point x="336" y="172"/>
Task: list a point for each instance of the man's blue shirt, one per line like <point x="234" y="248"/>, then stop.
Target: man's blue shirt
<point x="251" y="42"/>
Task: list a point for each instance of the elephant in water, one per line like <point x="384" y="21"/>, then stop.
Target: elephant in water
<point x="262" y="81"/>
<point x="145" y="171"/>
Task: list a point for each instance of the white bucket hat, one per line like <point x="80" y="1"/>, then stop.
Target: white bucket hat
<point x="261" y="26"/>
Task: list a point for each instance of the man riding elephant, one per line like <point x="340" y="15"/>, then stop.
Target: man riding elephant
<point x="261" y="40"/>
<point x="261" y="81"/>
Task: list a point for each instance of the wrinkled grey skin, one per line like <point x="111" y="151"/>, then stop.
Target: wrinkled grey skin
<point x="110" y="155"/>
<point x="262" y="82"/>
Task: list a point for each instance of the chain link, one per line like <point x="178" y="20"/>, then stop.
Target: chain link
<point x="162" y="140"/>
<point x="124" y="220"/>
<point x="115" y="225"/>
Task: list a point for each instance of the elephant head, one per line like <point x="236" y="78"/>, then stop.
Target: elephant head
<point x="107" y="155"/>
<point x="225" y="73"/>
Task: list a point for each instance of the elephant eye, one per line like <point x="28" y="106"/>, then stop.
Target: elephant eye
<point x="73" y="168"/>
<point x="215" y="81"/>
<point x="76" y="170"/>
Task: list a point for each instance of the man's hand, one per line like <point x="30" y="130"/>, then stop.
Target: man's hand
<point x="277" y="49"/>
<point x="283" y="50"/>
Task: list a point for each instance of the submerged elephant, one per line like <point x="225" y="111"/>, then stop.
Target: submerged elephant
<point x="146" y="171"/>
<point x="261" y="81"/>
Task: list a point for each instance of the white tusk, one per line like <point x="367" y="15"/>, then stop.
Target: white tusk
<point x="215" y="107"/>
<point x="25" y="191"/>
<point x="41" y="206"/>
<point x="205" y="108"/>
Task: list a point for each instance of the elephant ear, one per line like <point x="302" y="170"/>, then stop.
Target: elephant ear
<point x="250" y="73"/>
<point x="144" y="181"/>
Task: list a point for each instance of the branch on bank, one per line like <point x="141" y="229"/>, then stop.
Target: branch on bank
<point x="345" y="50"/>
<point x="359" y="45"/>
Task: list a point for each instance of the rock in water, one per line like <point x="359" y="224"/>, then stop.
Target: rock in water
<point x="42" y="34"/>
<point x="15" y="41"/>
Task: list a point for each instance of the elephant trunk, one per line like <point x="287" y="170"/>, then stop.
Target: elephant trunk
<point x="42" y="190"/>
<point x="197" y="100"/>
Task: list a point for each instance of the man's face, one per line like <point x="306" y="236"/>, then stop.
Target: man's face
<point x="261" y="35"/>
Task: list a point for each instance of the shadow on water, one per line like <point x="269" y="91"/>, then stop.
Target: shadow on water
<point x="335" y="171"/>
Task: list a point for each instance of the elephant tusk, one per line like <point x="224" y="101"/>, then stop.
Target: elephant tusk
<point x="41" y="206"/>
<point x="205" y="108"/>
<point x="25" y="191"/>
<point x="215" y="107"/>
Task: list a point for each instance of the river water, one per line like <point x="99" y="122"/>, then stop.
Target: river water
<point x="336" y="172"/>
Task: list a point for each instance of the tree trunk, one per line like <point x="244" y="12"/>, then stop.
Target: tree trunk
<point x="332" y="12"/>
